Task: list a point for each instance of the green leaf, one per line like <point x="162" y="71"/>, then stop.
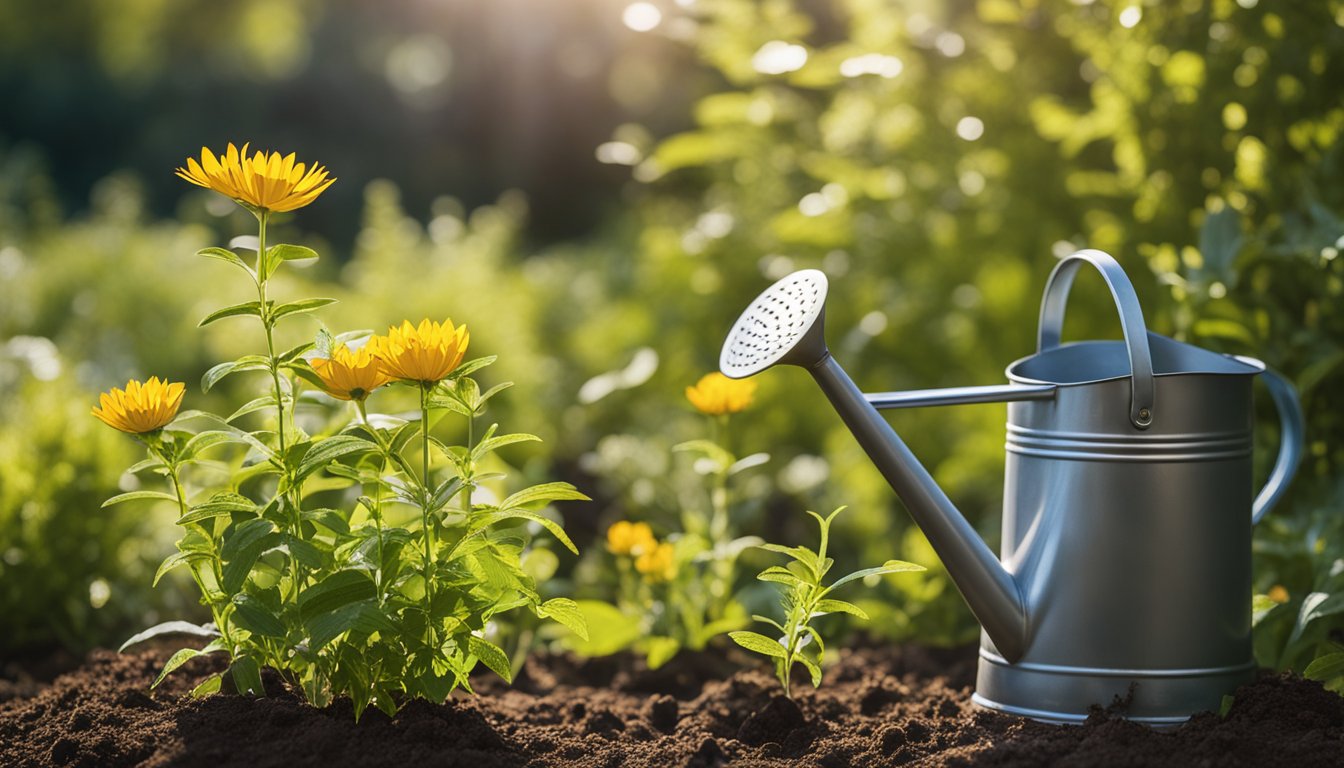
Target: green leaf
<point x="170" y="628"/>
<point x="250" y="614"/>
<point x="710" y="450"/>
<point x="208" y="439"/>
<point x="223" y="503"/>
<point x="891" y="566"/>
<point x="208" y="686"/>
<point x="804" y="556"/>
<point x="1325" y="668"/>
<point x="138" y="496"/>
<point x="485" y="521"/>
<point x="813" y="668"/>
<point x="609" y="629"/>
<point x="1316" y="605"/>
<point x="544" y="493"/>
<point x="471" y="366"/>
<point x="339" y="589"/>
<point x="245" y="363"/>
<point x="287" y="252"/>
<point x="1225" y="705"/>
<point x="246" y="309"/>
<point x="361" y="616"/>
<point x="173" y="561"/>
<point x="491" y="656"/>
<point x="259" y="404"/>
<point x="759" y="643"/>
<point x="245" y="535"/>
<point x="780" y="576"/>
<point x="660" y="650"/>
<point x="839" y="606"/>
<point x="566" y="612"/>
<point x="225" y="255"/>
<point x="325" y="451"/>
<point x="299" y="307"/>
<point x="246" y="676"/>
<point x="495" y="443"/>
<point x="177" y="660"/>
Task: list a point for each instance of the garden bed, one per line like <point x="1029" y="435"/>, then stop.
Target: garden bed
<point x="901" y="706"/>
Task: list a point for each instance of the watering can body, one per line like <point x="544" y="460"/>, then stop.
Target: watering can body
<point x="1125" y="569"/>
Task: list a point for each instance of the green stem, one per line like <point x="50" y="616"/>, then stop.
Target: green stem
<point x="377" y="494"/>
<point x="427" y="531"/>
<point x="721" y="568"/>
<point x="173" y="475"/>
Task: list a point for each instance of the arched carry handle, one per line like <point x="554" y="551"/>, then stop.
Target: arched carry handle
<point x="1131" y="320"/>
<point x="1292" y="428"/>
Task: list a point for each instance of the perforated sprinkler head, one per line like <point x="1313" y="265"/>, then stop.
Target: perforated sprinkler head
<point x="783" y="326"/>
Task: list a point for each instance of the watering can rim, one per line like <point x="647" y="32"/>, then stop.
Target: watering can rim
<point x="1252" y="366"/>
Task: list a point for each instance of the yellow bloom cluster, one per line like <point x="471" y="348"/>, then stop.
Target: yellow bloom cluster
<point x="424" y="354"/>
<point x="716" y="394"/>
<point x="658" y="564"/>
<point x="266" y="181"/>
<point x="140" y="408"/>
<point x="655" y="561"/>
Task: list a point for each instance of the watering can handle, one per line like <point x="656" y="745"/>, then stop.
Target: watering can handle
<point x="1292" y="427"/>
<point x="1131" y="320"/>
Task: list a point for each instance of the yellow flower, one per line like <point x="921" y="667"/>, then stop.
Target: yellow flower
<point x="716" y="394"/>
<point x="349" y="375"/>
<point x="140" y="408"/>
<point x="626" y="538"/>
<point x="426" y="354"/>
<point x="264" y="182"/>
<point x="658" y="563"/>
<point x="1278" y="594"/>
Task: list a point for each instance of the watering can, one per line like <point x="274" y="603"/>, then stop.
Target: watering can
<point x="1125" y="574"/>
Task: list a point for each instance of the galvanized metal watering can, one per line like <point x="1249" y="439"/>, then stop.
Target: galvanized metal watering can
<point x="1126" y="564"/>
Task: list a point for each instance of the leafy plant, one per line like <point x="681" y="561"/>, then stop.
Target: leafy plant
<point x="324" y="546"/>
<point x="681" y="591"/>
<point x="804" y="598"/>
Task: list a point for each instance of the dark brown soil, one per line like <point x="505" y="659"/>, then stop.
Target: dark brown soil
<point x="900" y="706"/>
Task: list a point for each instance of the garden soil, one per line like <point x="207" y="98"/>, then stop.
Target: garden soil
<point x="877" y="707"/>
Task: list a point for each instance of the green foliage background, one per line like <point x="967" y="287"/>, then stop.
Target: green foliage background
<point x="1195" y="141"/>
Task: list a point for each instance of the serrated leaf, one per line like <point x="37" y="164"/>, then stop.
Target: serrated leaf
<point x="491" y="656"/>
<point x="566" y="612"/>
<point x="122" y="498"/>
<point x="891" y="566"/>
<point x="779" y="575"/>
<point x="759" y="643"/>
<point x="171" y="628"/>
<point x="245" y="309"/>
<point x="839" y="606"/>
<point x="299" y="307"/>
<point x="361" y="616"/>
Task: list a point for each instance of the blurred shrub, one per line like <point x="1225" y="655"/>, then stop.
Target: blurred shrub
<point x="70" y="572"/>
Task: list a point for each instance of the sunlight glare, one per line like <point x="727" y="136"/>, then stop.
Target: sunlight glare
<point x="778" y="57"/>
<point x="642" y="17"/>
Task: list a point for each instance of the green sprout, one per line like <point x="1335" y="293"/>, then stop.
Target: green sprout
<point x="805" y="598"/>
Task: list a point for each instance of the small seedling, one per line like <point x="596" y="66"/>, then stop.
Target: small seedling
<point x="805" y="598"/>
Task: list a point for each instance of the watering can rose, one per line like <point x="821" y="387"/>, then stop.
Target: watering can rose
<point x="266" y="181"/>
<point x="716" y="394"/>
<point x="140" y="408"/>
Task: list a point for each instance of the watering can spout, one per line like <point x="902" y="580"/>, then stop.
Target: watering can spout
<point x="784" y="326"/>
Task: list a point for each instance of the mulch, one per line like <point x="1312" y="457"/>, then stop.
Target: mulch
<point x="877" y="707"/>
